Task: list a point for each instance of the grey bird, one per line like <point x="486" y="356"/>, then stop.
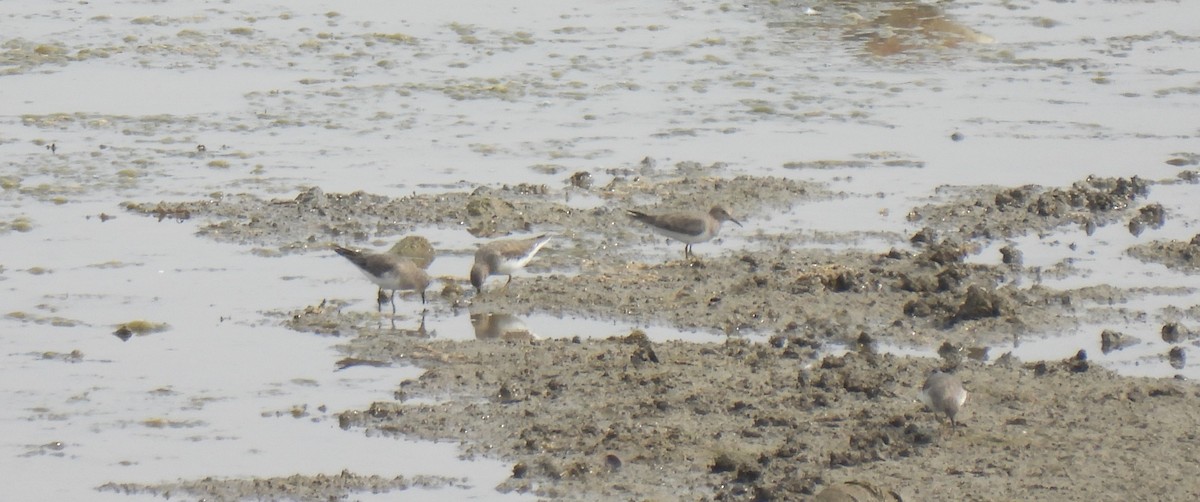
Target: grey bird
<point x="690" y="227"/>
<point x="503" y="257"/>
<point x="944" y="393"/>
<point x="388" y="271"/>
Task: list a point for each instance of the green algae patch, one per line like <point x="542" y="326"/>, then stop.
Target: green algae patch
<point x="57" y="321"/>
<point x="163" y="423"/>
<point x="18" y="224"/>
<point x="139" y="327"/>
<point x="142" y="327"/>
<point x="395" y="38"/>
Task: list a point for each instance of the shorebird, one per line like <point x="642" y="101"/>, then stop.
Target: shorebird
<point x="943" y="393"/>
<point x="687" y="227"/>
<point x="389" y="272"/>
<point x="503" y="257"/>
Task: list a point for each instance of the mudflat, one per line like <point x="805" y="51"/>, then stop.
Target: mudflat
<point x="802" y="395"/>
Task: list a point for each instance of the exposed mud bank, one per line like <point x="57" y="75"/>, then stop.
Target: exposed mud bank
<point x="923" y="293"/>
<point x="629" y="418"/>
<point x="624" y="418"/>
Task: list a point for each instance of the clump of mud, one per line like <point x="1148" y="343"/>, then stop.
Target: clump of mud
<point x="1178" y="255"/>
<point x="995" y="213"/>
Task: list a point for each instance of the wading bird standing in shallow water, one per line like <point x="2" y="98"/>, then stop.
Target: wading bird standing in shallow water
<point x="503" y="257"/>
<point x="687" y="227"/>
<point x="389" y="272"/>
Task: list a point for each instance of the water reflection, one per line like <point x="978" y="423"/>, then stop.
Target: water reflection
<point x="1177" y="357"/>
<point x="418" y="331"/>
<point x="498" y="325"/>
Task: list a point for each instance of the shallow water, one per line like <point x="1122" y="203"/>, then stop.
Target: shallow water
<point x="370" y="96"/>
<point x="223" y="391"/>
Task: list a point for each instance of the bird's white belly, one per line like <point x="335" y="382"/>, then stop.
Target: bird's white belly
<point x="390" y="280"/>
<point x="681" y="237"/>
<point x="507" y="267"/>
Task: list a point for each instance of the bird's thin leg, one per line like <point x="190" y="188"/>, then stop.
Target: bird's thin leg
<point x="393" y="303"/>
<point x="379" y="298"/>
<point x="507" y="282"/>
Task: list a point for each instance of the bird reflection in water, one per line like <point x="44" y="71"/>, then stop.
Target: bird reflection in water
<point x="419" y="331"/>
<point x="497" y="325"/>
<point x="416" y="332"/>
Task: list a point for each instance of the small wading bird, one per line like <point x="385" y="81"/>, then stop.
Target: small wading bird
<point x="389" y="272"/>
<point x="691" y="227"/>
<point x="944" y="393"/>
<point x="503" y="257"/>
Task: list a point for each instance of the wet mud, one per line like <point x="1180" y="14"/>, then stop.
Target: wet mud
<point x="774" y="413"/>
<point x="1177" y="255"/>
<point x="297" y="487"/>
<point x="627" y="419"/>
